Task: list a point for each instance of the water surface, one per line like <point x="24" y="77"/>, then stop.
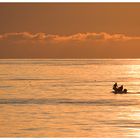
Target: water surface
<point x="69" y="98"/>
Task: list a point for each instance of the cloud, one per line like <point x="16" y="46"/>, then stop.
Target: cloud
<point x="79" y="37"/>
<point x="91" y="37"/>
<point x="79" y="45"/>
<point x="22" y="36"/>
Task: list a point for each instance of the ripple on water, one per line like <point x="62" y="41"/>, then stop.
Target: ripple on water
<point x="99" y="102"/>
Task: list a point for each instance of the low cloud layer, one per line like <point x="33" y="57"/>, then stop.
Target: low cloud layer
<point x="80" y="45"/>
<point x="26" y="36"/>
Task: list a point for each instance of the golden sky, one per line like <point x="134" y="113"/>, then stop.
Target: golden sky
<point x="70" y="30"/>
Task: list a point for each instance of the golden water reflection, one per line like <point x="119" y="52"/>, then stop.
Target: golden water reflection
<point x="68" y="99"/>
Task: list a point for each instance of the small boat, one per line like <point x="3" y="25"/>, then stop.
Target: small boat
<point x="120" y="92"/>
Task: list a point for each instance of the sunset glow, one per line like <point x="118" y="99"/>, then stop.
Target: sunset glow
<point x="69" y="30"/>
<point x="70" y="70"/>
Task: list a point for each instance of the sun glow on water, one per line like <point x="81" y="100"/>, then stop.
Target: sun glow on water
<point x="39" y="94"/>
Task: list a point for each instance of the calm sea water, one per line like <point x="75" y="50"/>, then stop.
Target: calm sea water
<point x="69" y="98"/>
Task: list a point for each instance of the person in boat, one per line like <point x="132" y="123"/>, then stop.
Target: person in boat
<point x="120" y="89"/>
<point x="125" y="90"/>
<point x="115" y="86"/>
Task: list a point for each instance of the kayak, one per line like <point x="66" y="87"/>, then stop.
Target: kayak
<point x="120" y="92"/>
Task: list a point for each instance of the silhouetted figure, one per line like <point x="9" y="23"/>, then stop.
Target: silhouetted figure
<point x="120" y="88"/>
<point x="115" y="86"/>
<point x="125" y="90"/>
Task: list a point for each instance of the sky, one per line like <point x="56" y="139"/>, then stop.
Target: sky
<point x="69" y="30"/>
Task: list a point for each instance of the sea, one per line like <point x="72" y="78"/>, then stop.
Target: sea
<point x="68" y="98"/>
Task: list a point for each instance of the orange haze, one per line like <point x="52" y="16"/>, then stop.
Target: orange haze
<point x="70" y="30"/>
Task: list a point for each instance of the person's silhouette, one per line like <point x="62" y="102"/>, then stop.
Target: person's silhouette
<point x="120" y="88"/>
<point x="115" y="86"/>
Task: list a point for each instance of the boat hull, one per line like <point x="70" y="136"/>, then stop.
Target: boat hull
<point x="121" y="92"/>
